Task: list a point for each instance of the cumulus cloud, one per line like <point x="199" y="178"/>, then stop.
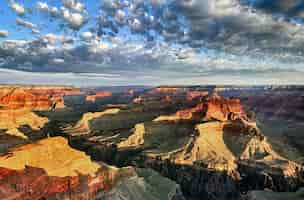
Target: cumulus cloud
<point x="26" y="24"/>
<point x="185" y="36"/>
<point x="74" y="5"/>
<point x="73" y="12"/>
<point x="17" y="7"/>
<point x="74" y="19"/>
<point x="4" y="33"/>
<point x="53" y="38"/>
<point x="86" y="36"/>
<point x="43" y="6"/>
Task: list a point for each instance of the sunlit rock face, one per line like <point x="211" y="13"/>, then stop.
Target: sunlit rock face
<point x="50" y="169"/>
<point x="186" y="114"/>
<point x="83" y="126"/>
<point x="193" y="95"/>
<point x="219" y="108"/>
<point x="165" y="90"/>
<point x="98" y="95"/>
<point x="13" y="119"/>
<point x="33" y="97"/>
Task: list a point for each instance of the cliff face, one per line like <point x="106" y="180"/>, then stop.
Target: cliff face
<point x="219" y="108"/>
<point x="35" y="97"/>
<point x="83" y="126"/>
<point x="12" y="120"/>
<point x="186" y="114"/>
<point x="209" y="145"/>
<point x="98" y="95"/>
<point x="165" y="90"/>
<point x="50" y="169"/>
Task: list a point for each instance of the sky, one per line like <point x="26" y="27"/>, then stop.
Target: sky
<point x="151" y="42"/>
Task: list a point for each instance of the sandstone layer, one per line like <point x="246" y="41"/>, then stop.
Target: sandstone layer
<point x="50" y="169"/>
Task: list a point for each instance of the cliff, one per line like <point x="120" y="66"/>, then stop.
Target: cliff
<point x="34" y="97"/>
<point x="12" y="120"/>
<point x="98" y="95"/>
<point x="83" y="125"/>
<point x="50" y="169"/>
<point x="219" y="108"/>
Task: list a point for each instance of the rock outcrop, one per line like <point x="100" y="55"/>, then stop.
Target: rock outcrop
<point x="165" y="90"/>
<point x="83" y="126"/>
<point x="219" y="108"/>
<point x="186" y="114"/>
<point x="98" y="95"/>
<point x="50" y="169"/>
<point x="34" y="97"/>
<point x="12" y="120"/>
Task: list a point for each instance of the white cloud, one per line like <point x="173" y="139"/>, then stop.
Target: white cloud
<point x="74" y="19"/>
<point x="74" y="5"/>
<point x="42" y="6"/>
<point x="53" y="38"/>
<point x="26" y="24"/>
<point x="86" y="36"/>
<point x="18" y="8"/>
<point x="4" y="33"/>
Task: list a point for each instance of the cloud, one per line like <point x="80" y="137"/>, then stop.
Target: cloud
<point x="18" y="8"/>
<point x="74" y="5"/>
<point x="4" y="33"/>
<point x="74" y="19"/>
<point x="228" y="37"/>
<point x="86" y="36"/>
<point x="26" y="24"/>
<point x="53" y="38"/>
<point x="73" y="13"/>
<point x="43" y="6"/>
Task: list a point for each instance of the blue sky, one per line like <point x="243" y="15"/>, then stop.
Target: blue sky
<point x="121" y="42"/>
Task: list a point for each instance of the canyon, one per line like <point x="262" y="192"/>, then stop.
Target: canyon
<point x="162" y="143"/>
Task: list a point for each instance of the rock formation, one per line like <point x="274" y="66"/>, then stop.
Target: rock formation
<point x="83" y="126"/>
<point x="98" y="95"/>
<point x="165" y="90"/>
<point x="50" y="169"/>
<point x="186" y="114"/>
<point x="34" y="97"/>
<point x="12" y="120"/>
<point x="219" y="108"/>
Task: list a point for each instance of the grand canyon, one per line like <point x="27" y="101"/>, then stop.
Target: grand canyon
<point x="154" y="143"/>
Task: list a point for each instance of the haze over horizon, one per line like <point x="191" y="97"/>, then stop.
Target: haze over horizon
<point x="151" y="42"/>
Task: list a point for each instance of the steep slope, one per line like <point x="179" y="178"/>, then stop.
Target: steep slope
<point x="50" y="169"/>
<point x="34" y="97"/>
<point x="83" y="126"/>
<point x="11" y="120"/>
<point x="209" y="147"/>
<point x="98" y="95"/>
<point x="219" y="108"/>
<point x="186" y="114"/>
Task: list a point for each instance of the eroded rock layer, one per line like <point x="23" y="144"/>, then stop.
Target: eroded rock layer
<point x="50" y="169"/>
<point x="34" y="97"/>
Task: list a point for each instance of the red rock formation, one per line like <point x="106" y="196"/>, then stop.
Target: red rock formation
<point x="99" y="94"/>
<point x="186" y="114"/>
<point x="165" y="90"/>
<point x="192" y="95"/>
<point x="138" y="100"/>
<point x="35" y="97"/>
<point x="130" y="92"/>
<point x="220" y="108"/>
<point x="50" y="169"/>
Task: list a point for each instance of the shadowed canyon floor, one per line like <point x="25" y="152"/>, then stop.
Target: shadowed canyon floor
<point x="192" y="143"/>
